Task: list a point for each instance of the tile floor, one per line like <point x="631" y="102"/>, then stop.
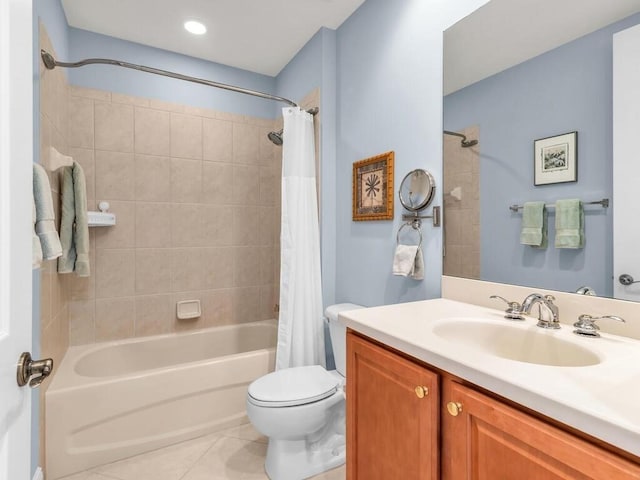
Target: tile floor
<point x="234" y="454"/>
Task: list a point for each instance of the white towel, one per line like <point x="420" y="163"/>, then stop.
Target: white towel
<point x="408" y="262"/>
<point x="45" y="217"/>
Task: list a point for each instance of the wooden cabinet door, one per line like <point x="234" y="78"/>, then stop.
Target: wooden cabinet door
<point x="489" y="440"/>
<point x="392" y="433"/>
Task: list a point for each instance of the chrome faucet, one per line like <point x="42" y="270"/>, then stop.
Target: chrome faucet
<point x="547" y="302"/>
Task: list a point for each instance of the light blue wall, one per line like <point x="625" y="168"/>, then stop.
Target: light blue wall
<point x="389" y="97"/>
<point x="566" y="89"/>
<point x="84" y="44"/>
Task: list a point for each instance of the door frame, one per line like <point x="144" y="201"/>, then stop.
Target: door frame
<point x="16" y="158"/>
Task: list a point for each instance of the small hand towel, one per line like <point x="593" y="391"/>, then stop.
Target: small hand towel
<point x="569" y="224"/>
<point x="45" y="217"/>
<point x="534" y="225"/>
<point x="36" y="247"/>
<point x="74" y="228"/>
<point x="408" y="262"/>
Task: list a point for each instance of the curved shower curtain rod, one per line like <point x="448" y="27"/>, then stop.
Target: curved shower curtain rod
<point x="52" y="63"/>
<point x="464" y="142"/>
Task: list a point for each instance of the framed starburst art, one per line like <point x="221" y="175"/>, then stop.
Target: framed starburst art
<point x="373" y="188"/>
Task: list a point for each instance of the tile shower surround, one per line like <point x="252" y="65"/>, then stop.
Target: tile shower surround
<point x="54" y="288"/>
<point x="462" y="228"/>
<point x="196" y="195"/>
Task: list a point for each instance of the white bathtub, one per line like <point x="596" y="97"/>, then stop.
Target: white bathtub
<point x="113" y="400"/>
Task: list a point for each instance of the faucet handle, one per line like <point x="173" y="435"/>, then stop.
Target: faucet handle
<point x="513" y="311"/>
<point x="586" y="324"/>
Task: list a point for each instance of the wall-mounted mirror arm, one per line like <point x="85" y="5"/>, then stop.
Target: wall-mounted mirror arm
<point x="417" y="219"/>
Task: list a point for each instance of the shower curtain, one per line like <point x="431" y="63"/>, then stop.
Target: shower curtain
<point x="300" y="326"/>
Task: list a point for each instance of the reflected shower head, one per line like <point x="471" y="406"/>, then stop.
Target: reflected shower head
<point x="464" y="143"/>
<point x="275" y="137"/>
<point x="48" y="60"/>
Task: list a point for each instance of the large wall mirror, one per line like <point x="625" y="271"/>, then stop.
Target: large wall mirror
<point x="516" y="71"/>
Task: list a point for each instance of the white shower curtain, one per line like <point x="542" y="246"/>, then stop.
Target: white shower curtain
<point x="300" y="326"/>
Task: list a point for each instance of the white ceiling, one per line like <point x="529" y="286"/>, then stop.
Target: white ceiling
<point x="257" y="35"/>
<point x="504" y="33"/>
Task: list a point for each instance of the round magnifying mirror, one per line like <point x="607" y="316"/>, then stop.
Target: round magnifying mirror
<point x="417" y="190"/>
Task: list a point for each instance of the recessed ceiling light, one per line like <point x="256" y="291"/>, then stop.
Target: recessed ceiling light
<point x="194" y="27"/>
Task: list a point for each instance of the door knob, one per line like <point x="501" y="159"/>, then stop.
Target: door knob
<point x="38" y="369"/>
<point x="421" y="391"/>
<point x="454" y="408"/>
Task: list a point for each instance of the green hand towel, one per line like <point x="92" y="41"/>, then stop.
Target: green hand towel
<point x="74" y="231"/>
<point x="569" y="224"/>
<point x="534" y="225"/>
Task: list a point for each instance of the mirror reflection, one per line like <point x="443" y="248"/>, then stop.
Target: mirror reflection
<point x="417" y="190"/>
<point x="510" y="81"/>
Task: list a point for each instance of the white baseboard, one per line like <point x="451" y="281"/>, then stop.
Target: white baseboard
<point x="38" y="475"/>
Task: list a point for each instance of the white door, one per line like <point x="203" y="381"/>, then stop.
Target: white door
<point x="626" y="161"/>
<point x="16" y="157"/>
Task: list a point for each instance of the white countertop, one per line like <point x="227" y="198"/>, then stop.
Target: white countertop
<point x="602" y="400"/>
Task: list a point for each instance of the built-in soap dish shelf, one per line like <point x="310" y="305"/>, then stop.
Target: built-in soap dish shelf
<point x="188" y="309"/>
<point x="103" y="218"/>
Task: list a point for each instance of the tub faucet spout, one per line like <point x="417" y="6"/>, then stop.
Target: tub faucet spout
<point x="547" y="302"/>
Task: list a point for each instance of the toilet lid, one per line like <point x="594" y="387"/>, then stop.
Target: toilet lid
<point x="293" y="386"/>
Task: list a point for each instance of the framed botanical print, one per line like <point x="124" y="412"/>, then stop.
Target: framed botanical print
<point x="373" y="188"/>
<point x="556" y="159"/>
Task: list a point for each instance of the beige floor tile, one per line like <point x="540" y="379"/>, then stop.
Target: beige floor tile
<point x="231" y="459"/>
<point x="169" y="463"/>
<point x="245" y="432"/>
<point x="88" y="476"/>
<point x="237" y="453"/>
<point x="339" y="473"/>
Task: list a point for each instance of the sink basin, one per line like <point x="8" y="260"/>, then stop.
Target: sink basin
<point x="528" y="344"/>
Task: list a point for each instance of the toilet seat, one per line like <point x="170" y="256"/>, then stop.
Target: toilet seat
<point x="293" y="386"/>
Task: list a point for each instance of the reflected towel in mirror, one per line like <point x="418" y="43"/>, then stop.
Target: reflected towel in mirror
<point x="534" y="225"/>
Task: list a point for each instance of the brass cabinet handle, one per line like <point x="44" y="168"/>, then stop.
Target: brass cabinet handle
<point x="454" y="408"/>
<point x="421" y="391"/>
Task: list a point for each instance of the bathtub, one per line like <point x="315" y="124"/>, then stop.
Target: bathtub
<point x="112" y="400"/>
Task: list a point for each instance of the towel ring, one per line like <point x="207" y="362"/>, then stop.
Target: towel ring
<point x="413" y="224"/>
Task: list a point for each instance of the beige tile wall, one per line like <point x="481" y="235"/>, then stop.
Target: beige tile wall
<point x="462" y="217"/>
<point x="196" y="195"/>
<point x="54" y="288"/>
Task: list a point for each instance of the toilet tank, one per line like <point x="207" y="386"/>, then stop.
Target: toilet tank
<point x="338" y="334"/>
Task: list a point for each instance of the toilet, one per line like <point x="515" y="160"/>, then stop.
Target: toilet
<point x="302" y="411"/>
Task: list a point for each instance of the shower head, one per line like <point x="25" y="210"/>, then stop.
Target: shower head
<point x="275" y="137"/>
<point x="464" y="143"/>
<point x="48" y="60"/>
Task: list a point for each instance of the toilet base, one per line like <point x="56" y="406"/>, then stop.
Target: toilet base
<point x="295" y="460"/>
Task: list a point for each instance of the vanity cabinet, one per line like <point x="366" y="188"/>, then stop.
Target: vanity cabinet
<point x="485" y="439"/>
<point x="393" y="434"/>
<point x="392" y="415"/>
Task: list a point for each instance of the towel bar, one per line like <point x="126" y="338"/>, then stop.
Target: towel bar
<point x="604" y="202"/>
